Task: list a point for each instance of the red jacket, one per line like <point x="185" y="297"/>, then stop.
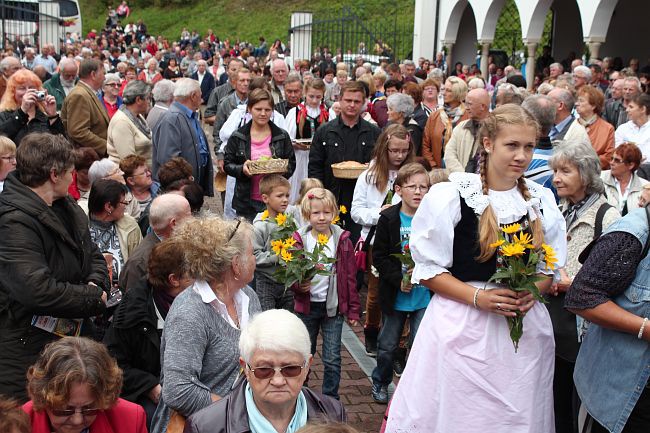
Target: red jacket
<point x="346" y="276"/>
<point x="124" y="417"/>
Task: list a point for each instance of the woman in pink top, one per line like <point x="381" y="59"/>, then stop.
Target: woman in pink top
<point x="257" y="139"/>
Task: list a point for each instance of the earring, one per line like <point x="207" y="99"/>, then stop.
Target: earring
<point x="110" y="212"/>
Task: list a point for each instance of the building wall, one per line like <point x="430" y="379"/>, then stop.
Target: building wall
<point x="626" y="35"/>
<point x="567" y="35"/>
<point x="465" y="47"/>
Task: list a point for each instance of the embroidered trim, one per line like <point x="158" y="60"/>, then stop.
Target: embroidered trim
<point x="470" y="189"/>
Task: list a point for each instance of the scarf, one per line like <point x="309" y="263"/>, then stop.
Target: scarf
<point x="588" y="122"/>
<point x="259" y="424"/>
<point x="575" y="211"/>
<point x="302" y="115"/>
<point x="163" y="301"/>
<point x="454" y="114"/>
<point x="138" y="121"/>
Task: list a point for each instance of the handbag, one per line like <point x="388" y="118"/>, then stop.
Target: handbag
<point x="176" y="423"/>
<point x="361" y="250"/>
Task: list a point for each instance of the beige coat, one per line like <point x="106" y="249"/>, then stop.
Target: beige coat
<point x="129" y="234"/>
<point x="461" y="147"/>
<point x="85" y="119"/>
<point x="124" y="139"/>
<point x="582" y="232"/>
<point x="634" y="190"/>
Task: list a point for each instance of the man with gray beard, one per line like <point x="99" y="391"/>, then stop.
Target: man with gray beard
<point x="63" y="81"/>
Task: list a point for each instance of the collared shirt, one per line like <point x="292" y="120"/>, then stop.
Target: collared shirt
<point x="203" y="146"/>
<point x="559" y="127"/>
<point x="240" y="298"/>
<point x="630" y="133"/>
<point x="201" y="76"/>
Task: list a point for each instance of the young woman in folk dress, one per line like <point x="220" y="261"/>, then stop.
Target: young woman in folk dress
<point x="463" y="374"/>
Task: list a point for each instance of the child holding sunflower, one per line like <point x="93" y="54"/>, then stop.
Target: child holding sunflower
<point x="463" y="369"/>
<point x="323" y="302"/>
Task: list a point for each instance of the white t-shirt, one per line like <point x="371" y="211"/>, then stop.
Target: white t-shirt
<point x="319" y="284"/>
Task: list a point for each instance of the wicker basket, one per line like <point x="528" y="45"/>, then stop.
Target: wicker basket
<point x="342" y="171"/>
<point x="268" y="166"/>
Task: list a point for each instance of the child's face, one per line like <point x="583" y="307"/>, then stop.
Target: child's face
<point x="321" y="216"/>
<point x="413" y="190"/>
<point x="398" y="150"/>
<point x="278" y="200"/>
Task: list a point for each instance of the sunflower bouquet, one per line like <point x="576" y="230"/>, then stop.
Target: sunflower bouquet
<point x="298" y="265"/>
<point x="286" y="225"/>
<point x="518" y="269"/>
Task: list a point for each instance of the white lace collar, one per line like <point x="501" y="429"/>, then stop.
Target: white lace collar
<point x="509" y="206"/>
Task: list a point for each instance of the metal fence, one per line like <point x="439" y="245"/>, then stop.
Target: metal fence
<point x="32" y="23"/>
<point x="374" y="40"/>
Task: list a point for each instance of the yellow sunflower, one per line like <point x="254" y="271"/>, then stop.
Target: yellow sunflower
<point x="513" y="250"/>
<point x="280" y="219"/>
<point x="265" y="215"/>
<point x="343" y="209"/>
<point x="524" y="239"/>
<point x="286" y="256"/>
<point x="289" y="242"/>
<point x="277" y="246"/>
<point x="512" y="228"/>
<point x="497" y="244"/>
<point x="336" y="220"/>
<point x="550" y="258"/>
<point x="322" y="239"/>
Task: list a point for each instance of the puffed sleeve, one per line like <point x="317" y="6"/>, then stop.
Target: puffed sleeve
<point x="290" y="123"/>
<point x="432" y="231"/>
<point x="554" y="230"/>
<point x="231" y="125"/>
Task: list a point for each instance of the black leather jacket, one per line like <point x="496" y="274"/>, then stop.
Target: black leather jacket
<point x="238" y="150"/>
<point x="229" y="415"/>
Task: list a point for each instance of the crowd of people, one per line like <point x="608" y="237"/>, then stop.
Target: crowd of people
<point x="128" y="306"/>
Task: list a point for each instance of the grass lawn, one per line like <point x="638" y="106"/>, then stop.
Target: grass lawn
<point x="248" y="20"/>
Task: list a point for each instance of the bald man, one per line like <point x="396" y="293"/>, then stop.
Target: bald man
<point x="8" y="66"/>
<point x="463" y="149"/>
<point x="166" y="212"/>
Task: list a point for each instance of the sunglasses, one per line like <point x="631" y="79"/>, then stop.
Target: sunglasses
<point x="269" y="372"/>
<point x="71" y="412"/>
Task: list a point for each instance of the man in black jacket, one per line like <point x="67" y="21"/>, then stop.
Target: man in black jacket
<point x="346" y="138"/>
<point x="52" y="275"/>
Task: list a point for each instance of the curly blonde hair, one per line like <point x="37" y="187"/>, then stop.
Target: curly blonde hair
<point x="211" y="245"/>
<point x="71" y="361"/>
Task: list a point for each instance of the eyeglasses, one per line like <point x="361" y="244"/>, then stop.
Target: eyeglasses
<point x="414" y="188"/>
<point x="235" y="231"/>
<point x="398" y="151"/>
<point x="269" y="372"/>
<point x="70" y="412"/>
<point x="617" y="160"/>
<point x="116" y="85"/>
<point x="8" y="158"/>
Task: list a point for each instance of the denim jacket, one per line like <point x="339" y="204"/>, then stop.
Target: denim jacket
<point x="612" y="367"/>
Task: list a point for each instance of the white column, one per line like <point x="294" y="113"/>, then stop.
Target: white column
<point x="594" y="49"/>
<point x="301" y="35"/>
<point x="450" y="53"/>
<point x="530" y="64"/>
<point x="485" y="53"/>
<point x="424" y="29"/>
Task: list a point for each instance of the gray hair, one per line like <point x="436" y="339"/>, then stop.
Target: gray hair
<point x="201" y="62"/>
<point x="557" y="65"/>
<point x="635" y="80"/>
<point x="134" y="89"/>
<point x="100" y="169"/>
<point x="437" y="74"/>
<point x="185" y="87"/>
<point x="401" y="103"/>
<point x="566" y="97"/>
<point x="409" y="62"/>
<point x="112" y="78"/>
<point x="66" y="61"/>
<point x="544" y="88"/>
<point x="152" y="59"/>
<point x="292" y="77"/>
<point x="582" y="156"/>
<point x="164" y="208"/>
<point x="7" y="62"/>
<point x="585" y="70"/>
<point x="476" y="83"/>
<point x="163" y="91"/>
<point x="274" y="331"/>
<point x="277" y="60"/>
<point x="543" y="110"/>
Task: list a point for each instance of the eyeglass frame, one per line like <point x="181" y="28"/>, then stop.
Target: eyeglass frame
<point x="280" y="370"/>
<point x="67" y="413"/>
<point x="414" y="188"/>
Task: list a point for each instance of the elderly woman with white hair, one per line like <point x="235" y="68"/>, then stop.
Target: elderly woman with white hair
<point x="400" y="111"/>
<point x="151" y="75"/>
<point x="576" y="177"/>
<point x="128" y="132"/>
<point x="275" y="358"/>
<point x="163" y="96"/>
<point x="107" y="169"/>
<point x="200" y="346"/>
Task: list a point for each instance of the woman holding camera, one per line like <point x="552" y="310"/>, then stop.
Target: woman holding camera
<point x="25" y="107"/>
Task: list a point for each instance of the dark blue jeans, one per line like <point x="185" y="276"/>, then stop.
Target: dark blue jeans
<point x="391" y="330"/>
<point x="331" y="328"/>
